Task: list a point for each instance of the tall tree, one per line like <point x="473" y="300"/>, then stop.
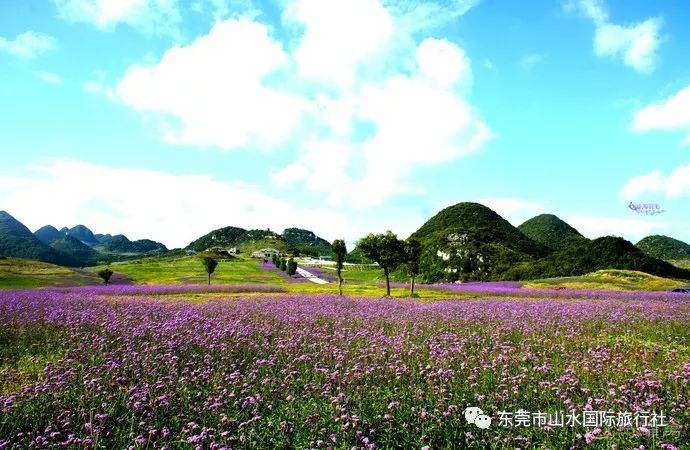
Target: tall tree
<point x="210" y="265"/>
<point x="339" y="251"/>
<point x="386" y="250"/>
<point x="105" y="274"/>
<point x="413" y="254"/>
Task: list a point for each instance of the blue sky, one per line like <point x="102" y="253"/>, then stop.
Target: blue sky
<point x="166" y="118"/>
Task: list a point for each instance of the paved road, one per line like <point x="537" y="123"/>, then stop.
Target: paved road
<point x="310" y="276"/>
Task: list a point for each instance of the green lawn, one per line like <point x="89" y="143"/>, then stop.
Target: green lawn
<point x="189" y="270"/>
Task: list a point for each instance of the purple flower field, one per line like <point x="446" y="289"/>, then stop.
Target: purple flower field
<point x="133" y="370"/>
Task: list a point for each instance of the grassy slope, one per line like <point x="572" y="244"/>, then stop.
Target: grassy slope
<point x="16" y="273"/>
<point x="682" y="263"/>
<point x="627" y="280"/>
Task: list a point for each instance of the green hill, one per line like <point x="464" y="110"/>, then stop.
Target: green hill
<point x="16" y="240"/>
<point x="222" y="237"/>
<point x="85" y="235"/>
<point x="16" y="273"/>
<point x="48" y="234"/>
<point x="470" y="241"/>
<point x="103" y="238"/>
<point x="616" y="280"/>
<point x="121" y="244"/>
<point x="664" y="247"/>
<point x="550" y="231"/>
<point x="247" y="241"/>
<point x="479" y="221"/>
<point x="69" y="245"/>
<point x="307" y="242"/>
<point x="582" y="257"/>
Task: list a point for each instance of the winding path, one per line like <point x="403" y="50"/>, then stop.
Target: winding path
<point x="310" y="276"/>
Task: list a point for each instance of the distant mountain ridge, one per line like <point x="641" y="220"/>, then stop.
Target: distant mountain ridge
<point x="74" y="247"/>
<point x="466" y="241"/>
<point x="16" y="240"/>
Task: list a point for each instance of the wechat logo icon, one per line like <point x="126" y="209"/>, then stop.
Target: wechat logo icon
<point x="476" y="416"/>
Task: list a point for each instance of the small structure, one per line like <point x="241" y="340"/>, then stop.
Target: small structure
<point x="266" y="253"/>
<point x="191" y="253"/>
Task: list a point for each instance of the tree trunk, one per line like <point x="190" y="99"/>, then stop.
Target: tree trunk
<point x="340" y="286"/>
<point x="209" y="279"/>
<point x="412" y="286"/>
<point x="388" y="283"/>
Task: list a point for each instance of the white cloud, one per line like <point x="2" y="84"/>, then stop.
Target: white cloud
<point x="636" y="44"/>
<point x="675" y="185"/>
<point x="671" y="114"/>
<point x="148" y="16"/>
<point x="29" y="44"/>
<point x="49" y="77"/>
<point x="417" y="120"/>
<point x="354" y="93"/>
<point x="632" y="229"/>
<point x="338" y="37"/>
<point x="514" y="210"/>
<point x="531" y="60"/>
<point x="174" y="209"/>
<point x="443" y="64"/>
<point x="215" y="88"/>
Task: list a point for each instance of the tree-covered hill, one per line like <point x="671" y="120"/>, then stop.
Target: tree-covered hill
<point x="48" y="234"/>
<point x="307" y="242"/>
<point x="69" y="245"/>
<point x="225" y="236"/>
<point x="550" y="231"/>
<point x="664" y="247"/>
<point x="121" y="244"/>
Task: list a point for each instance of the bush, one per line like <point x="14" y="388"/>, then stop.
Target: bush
<point x="291" y="267"/>
<point x="283" y="264"/>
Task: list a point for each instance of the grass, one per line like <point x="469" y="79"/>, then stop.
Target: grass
<point x="360" y="280"/>
<point x="682" y="263"/>
<point x="189" y="270"/>
<point x="17" y="273"/>
<point x="619" y="280"/>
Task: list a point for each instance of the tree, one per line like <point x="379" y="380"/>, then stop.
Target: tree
<point x="210" y="265"/>
<point x="413" y="254"/>
<point x="283" y="264"/>
<point x="105" y="274"/>
<point x="291" y="267"/>
<point x="339" y="252"/>
<point x="386" y="250"/>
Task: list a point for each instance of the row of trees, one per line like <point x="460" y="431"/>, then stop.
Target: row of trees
<point x="288" y="266"/>
<point x="387" y="251"/>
